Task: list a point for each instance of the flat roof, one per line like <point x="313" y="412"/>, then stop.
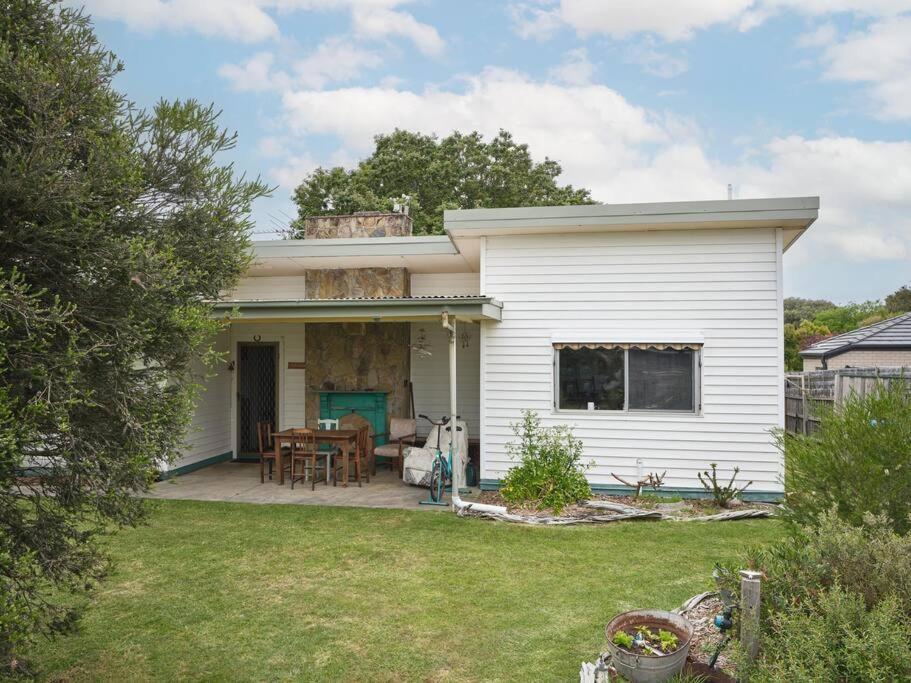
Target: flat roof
<point x="793" y="214"/>
<point x="419" y="254"/>
<point x="382" y="309"/>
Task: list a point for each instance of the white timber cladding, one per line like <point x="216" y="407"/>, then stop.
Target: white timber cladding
<point x="723" y="284"/>
<point x="430" y="374"/>
<point x="270" y="288"/>
<point x="445" y="284"/>
<point x="292" y="384"/>
<point x="209" y="433"/>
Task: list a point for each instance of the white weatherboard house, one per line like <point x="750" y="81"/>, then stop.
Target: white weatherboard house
<point x="654" y="329"/>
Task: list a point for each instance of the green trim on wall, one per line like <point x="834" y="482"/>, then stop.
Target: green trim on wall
<point x="198" y="465"/>
<point x="682" y="492"/>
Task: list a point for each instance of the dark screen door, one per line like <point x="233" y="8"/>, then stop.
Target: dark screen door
<point x="256" y="384"/>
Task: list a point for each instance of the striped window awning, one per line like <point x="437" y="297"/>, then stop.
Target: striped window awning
<point x="642" y="346"/>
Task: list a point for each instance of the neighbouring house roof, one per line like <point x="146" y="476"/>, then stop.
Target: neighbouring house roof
<point x="793" y="214"/>
<point x="385" y="309"/>
<point x="894" y="333"/>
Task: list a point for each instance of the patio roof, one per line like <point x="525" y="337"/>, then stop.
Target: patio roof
<point x="386" y="309"/>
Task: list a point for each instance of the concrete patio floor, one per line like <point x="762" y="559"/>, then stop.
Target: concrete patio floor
<point x="239" y="482"/>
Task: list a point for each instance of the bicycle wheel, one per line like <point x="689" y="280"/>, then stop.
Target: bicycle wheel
<point x="436" y="481"/>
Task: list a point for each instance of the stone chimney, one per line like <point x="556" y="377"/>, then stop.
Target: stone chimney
<point x="360" y="224"/>
<point x="358" y="282"/>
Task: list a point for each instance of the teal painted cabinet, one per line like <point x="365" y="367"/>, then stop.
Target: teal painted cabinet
<point x="371" y="405"/>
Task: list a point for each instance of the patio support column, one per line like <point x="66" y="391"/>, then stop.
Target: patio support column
<point x="450" y="325"/>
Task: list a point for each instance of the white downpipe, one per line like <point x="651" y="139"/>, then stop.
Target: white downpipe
<point x="457" y="503"/>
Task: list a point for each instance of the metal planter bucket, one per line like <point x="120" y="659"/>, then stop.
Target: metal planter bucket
<point x="649" y="668"/>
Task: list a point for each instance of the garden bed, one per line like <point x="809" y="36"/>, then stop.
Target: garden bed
<point x="605" y="508"/>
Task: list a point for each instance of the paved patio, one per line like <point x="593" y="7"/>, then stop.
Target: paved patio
<point x="239" y="482"/>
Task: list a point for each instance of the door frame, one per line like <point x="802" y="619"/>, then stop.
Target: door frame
<point x="237" y="420"/>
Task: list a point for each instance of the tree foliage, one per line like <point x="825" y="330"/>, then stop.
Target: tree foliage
<point x="797" y="310"/>
<point x="116" y="226"/>
<point x="799" y="337"/>
<point x="431" y="174"/>
<point x="899" y="301"/>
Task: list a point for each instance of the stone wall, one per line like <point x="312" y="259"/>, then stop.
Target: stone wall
<point x="357" y="282"/>
<point x="361" y="224"/>
<point x="358" y="357"/>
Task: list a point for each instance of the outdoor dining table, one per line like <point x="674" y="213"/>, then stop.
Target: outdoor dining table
<point x="345" y="439"/>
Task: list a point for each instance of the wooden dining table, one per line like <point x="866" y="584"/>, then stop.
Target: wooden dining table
<point x="345" y="439"/>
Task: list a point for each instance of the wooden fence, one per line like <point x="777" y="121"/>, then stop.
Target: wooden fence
<point x="807" y="394"/>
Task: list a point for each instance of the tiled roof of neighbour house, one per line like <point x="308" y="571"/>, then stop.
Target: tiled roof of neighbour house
<point x="894" y="333"/>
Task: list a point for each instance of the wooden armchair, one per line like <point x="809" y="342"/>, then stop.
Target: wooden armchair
<point x="402" y="432"/>
<point x="267" y="449"/>
<point x="363" y="455"/>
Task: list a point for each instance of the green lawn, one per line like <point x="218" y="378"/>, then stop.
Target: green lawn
<point x="221" y="591"/>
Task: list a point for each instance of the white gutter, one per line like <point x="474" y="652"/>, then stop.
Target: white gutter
<point x="457" y="503"/>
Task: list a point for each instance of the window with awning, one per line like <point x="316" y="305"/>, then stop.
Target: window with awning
<point x="608" y="376"/>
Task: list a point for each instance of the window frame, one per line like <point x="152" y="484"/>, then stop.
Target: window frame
<point x="626" y="410"/>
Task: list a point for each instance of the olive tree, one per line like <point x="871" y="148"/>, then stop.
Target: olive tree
<point x="116" y="227"/>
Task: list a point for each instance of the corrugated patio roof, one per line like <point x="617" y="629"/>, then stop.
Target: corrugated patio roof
<point x="894" y="333"/>
<point x="363" y="309"/>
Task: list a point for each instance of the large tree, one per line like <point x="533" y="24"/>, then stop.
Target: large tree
<point x="116" y="227"/>
<point x="460" y="171"/>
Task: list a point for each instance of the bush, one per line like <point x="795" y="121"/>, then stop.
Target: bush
<point x="869" y="560"/>
<point x="859" y="460"/>
<point x="550" y="473"/>
<point x="836" y="638"/>
<point x="836" y="602"/>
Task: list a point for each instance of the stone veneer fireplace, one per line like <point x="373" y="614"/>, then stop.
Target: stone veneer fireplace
<point x="358" y="357"/>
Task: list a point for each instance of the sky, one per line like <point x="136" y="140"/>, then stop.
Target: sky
<point x="638" y="100"/>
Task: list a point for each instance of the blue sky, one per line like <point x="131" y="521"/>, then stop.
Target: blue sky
<point x="638" y="100"/>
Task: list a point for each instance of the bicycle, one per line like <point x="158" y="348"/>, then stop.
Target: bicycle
<point x="441" y="470"/>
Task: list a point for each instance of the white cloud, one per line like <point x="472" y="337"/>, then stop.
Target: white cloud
<point x="680" y="19"/>
<point x="255" y="74"/>
<point x="654" y="61"/>
<point x="243" y="20"/>
<point x="337" y="59"/>
<point x="823" y="35"/>
<point x="881" y="57"/>
<point x="626" y="153"/>
<point x="575" y="69"/>
<point x="250" y="21"/>
<point x="382" y="22"/>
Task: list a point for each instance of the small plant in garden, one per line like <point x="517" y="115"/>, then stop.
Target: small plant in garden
<point x="652" y="479"/>
<point x="645" y="640"/>
<point x="550" y="473"/>
<point x="623" y="639"/>
<point x="722" y="494"/>
<point x="667" y="640"/>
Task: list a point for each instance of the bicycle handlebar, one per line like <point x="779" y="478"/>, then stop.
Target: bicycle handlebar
<point x="444" y="421"/>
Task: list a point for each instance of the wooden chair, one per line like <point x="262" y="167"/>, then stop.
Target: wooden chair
<point x="305" y="457"/>
<point x="364" y="452"/>
<point x="401" y="433"/>
<point x="267" y="449"/>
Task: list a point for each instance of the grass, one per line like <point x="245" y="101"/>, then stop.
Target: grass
<point x="225" y="591"/>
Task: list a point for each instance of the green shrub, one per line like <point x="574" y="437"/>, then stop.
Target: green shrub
<point x="858" y="461"/>
<point x="836" y="638"/>
<point x="550" y="473"/>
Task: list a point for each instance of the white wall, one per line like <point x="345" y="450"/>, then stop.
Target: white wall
<point x="723" y="284"/>
<point x="430" y="375"/>
<point x="442" y="284"/>
<point x="271" y="287"/>
<point x="209" y="434"/>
